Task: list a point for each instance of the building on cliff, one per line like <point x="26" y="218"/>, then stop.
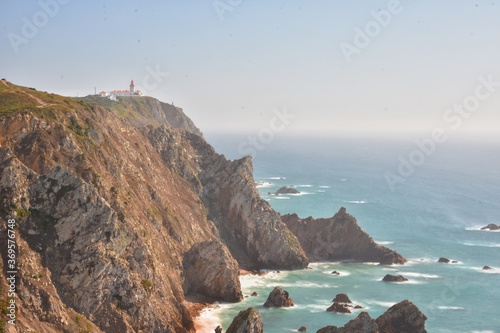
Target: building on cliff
<point x="113" y="94"/>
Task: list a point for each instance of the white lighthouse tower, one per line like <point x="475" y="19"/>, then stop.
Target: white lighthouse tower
<point x="132" y="87"/>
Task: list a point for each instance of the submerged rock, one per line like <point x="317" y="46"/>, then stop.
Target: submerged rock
<point x="363" y="323"/>
<point x="279" y="298"/>
<point x="394" y="278"/>
<point x="403" y="317"/>
<point x="286" y="190"/>
<point x="339" y="307"/>
<point x="247" y="321"/>
<point x="338" y="238"/>
<point x="487" y="268"/>
<point x="491" y="226"/>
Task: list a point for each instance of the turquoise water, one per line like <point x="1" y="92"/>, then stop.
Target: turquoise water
<point x="435" y="213"/>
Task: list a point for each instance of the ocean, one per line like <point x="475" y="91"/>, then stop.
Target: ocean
<point x="434" y="211"/>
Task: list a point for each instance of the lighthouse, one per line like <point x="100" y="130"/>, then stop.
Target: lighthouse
<point x="132" y="87"/>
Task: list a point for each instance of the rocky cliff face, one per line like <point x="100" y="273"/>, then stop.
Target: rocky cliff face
<point x="338" y="238"/>
<point x="252" y="230"/>
<point x="100" y="211"/>
<point x="210" y="270"/>
<point x="118" y="205"/>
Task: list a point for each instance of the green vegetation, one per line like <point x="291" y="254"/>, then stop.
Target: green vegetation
<point x="147" y="285"/>
<point x="21" y="213"/>
<point x="12" y="103"/>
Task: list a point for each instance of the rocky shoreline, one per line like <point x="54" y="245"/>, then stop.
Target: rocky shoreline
<point x="136" y="218"/>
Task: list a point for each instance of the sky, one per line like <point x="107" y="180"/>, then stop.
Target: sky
<point x="251" y="66"/>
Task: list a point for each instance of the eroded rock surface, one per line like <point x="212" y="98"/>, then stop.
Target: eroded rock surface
<point x="338" y="238"/>
<point x="210" y="270"/>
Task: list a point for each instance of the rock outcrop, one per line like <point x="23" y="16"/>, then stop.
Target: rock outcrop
<point x="210" y="270"/>
<point x="402" y="317"/>
<point x="342" y="298"/>
<point x="338" y="238"/>
<point x="444" y="260"/>
<point x="339" y="307"/>
<point x="252" y="230"/>
<point x="248" y="321"/>
<point x="113" y="200"/>
<point x="487" y="268"/>
<point x="394" y="278"/>
<point x="491" y="226"/>
<point x="286" y="190"/>
<point x="279" y="298"/>
<point x="363" y="323"/>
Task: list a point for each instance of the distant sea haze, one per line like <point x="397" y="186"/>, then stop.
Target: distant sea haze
<point x="437" y="212"/>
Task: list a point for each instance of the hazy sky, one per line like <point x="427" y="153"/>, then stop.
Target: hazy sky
<point x="334" y="65"/>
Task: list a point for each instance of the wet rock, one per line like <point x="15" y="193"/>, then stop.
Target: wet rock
<point x="394" y="278"/>
<point x="279" y="298"/>
<point x="335" y="273"/>
<point x="402" y="317"/>
<point x="444" y="260"/>
<point x="339" y="307"/>
<point x="218" y="329"/>
<point x="302" y="329"/>
<point x="248" y="321"/>
<point x="487" y="268"/>
<point x="342" y="298"/>
<point x="253" y="294"/>
<point x="491" y="226"/>
<point x="363" y="323"/>
<point x="286" y="190"/>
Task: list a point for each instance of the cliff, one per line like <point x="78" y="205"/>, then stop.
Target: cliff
<point x="107" y="209"/>
<point x="338" y="238"/>
<point x="124" y="212"/>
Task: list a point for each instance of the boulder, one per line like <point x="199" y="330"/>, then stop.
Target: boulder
<point x="286" y="190"/>
<point x="247" y="321"/>
<point x="444" y="260"/>
<point x="253" y="294"/>
<point x="302" y="329"/>
<point x="487" y="268"/>
<point x="342" y="298"/>
<point x="363" y="323"/>
<point x="394" y="278"/>
<point x="335" y="273"/>
<point x="402" y="317"/>
<point x="278" y="298"/>
<point x="339" y="307"/>
<point x="210" y="270"/>
<point x="218" y="329"/>
<point x="491" y="226"/>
